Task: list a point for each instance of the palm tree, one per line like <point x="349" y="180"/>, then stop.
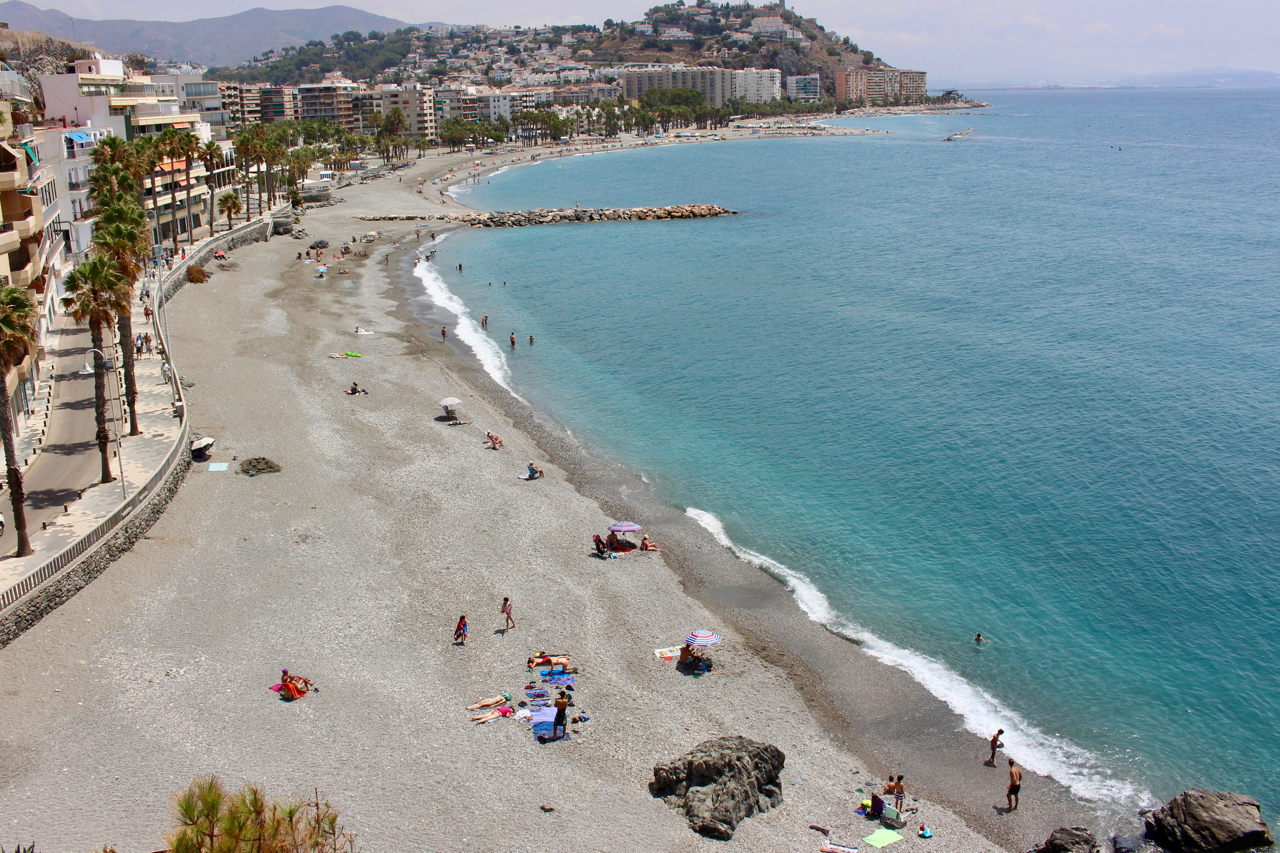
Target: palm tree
<point x="143" y="164"/>
<point x="121" y="236"/>
<point x="187" y="145"/>
<point x="170" y="150"/>
<point x="17" y="333"/>
<point x="211" y="154"/>
<point x="229" y="204"/>
<point x="96" y="293"/>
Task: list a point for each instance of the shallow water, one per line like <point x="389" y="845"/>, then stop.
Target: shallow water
<point x="1024" y="384"/>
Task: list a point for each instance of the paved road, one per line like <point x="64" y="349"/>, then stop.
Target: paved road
<point x="70" y="461"/>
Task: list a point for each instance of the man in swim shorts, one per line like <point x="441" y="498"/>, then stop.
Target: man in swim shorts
<point x="1015" y="785"/>
<point x="995" y="744"/>
<point x="562" y="715"/>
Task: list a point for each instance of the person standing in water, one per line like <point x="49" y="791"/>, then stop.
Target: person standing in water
<point x="513" y="340"/>
<point x="531" y="340"/>
<point x="484" y="321"/>
<point x="444" y="333"/>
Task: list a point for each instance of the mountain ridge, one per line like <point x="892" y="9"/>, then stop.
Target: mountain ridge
<point x="227" y="40"/>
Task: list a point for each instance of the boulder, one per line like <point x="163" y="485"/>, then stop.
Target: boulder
<point x="1199" y="821"/>
<point x="721" y="782"/>
<point x="1069" y="839"/>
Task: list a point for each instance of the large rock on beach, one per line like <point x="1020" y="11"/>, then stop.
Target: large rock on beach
<point x="1069" y="839"/>
<point x="1199" y="821"/>
<point x="721" y="782"/>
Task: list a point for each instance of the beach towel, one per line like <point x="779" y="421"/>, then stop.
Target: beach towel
<point x="277" y="687"/>
<point x="536" y="693"/>
<point x="882" y="838"/>
<point x="558" y="679"/>
<point x="667" y="654"/>
<point x="544" y="715"/>
<point x="218" y="466"/>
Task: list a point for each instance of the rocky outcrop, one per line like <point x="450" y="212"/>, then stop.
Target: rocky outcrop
<point x="1199" y="821"/>
<point x="1069" y="839"/>
<point x="543" y="216"/>
<point x="721" y="782"/>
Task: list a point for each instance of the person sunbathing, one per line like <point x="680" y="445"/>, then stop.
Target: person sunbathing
<point x="485" y="703"/>
<point x="646" y="545"/>
<point x="293" y="686"/>
<point x="494" y="441"/>
<point x="355" y="389"/>
<point x="612" y="541"/>
<point x="553" y="661"/>
<point x="456" y="422"/>
<point x="601" y="550"/>
<point x="502" y="711"/>
<point x="534" y="471"/>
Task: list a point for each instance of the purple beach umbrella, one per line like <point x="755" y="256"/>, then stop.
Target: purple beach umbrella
<point x="625" y="527"/>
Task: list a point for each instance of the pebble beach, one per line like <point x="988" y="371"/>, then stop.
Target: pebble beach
<point x="352" y="565"/>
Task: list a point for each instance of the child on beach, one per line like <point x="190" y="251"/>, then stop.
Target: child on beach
<point x="460" y="632"/>
<point x="505" y="610"/>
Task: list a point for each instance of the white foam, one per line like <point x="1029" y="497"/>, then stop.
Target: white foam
<point x="1082" y="772"/>
<point x="487" y="352"/>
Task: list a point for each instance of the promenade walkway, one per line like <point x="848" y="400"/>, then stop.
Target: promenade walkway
<point x="67" y="471"/>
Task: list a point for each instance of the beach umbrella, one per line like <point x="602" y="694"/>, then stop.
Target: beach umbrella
<point x="625" y="527"/>
<point x="450" y="401"/>
<point x="322" y="269"/>
<point x="703" y="638"/>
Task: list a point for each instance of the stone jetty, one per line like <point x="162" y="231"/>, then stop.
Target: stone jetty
<point x="543" y="216"/>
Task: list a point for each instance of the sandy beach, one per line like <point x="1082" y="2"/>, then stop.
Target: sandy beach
<point x="352" y="565"/>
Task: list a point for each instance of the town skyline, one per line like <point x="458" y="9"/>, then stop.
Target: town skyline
<point x="1000" y="42"/>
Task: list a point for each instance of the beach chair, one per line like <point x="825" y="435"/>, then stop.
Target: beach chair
<point x="892" y="818"/>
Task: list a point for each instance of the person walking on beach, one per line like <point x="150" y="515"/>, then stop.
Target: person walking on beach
<point x="460" y="632"/>
<point x="444" y="333"/>
<point x="1015" y="785"/>
<point x="505" y="610"/>
<point x="995" y="744"/>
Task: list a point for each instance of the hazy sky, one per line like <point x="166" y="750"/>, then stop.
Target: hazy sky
<point x="970" y="40"/>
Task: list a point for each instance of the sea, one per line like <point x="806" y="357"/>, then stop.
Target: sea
<point x="1025" y="383"/>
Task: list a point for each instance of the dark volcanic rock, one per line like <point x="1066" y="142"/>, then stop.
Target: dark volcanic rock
<point x="1069" y="839"/>
<point x="721" y="782"/>
<point x="1199" y="821"/>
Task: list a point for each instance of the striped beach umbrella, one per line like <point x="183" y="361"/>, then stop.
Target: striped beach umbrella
<point x="625" y="527"/>
<point x="703" y="638"/>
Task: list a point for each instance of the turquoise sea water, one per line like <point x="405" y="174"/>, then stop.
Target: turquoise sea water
<point x="1026" y="383"/>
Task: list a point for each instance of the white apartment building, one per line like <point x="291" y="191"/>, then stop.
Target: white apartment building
<point x="68" y="153"/>
<point x="757" y="85"/>
<point x="100" y="94"/>
<point x="805" y="89"/>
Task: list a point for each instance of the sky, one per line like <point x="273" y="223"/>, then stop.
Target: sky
<point x="1023" y="41"/>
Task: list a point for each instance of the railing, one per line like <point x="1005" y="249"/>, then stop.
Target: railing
<point x="76" y="186"/>
<point x="6" y="226"/>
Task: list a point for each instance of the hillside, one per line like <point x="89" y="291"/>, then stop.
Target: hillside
<point x="209" y="41"/>
<point x="33" y="54"/>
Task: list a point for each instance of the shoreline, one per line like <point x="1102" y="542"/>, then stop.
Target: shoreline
<point x="348" y="565"/>
<point x="765" y="610"/>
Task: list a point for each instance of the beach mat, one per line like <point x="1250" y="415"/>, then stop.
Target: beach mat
<point x="544" y="715"/>
<point x="667" y="654"/>
<point x="558" y="679"/>
<point x="219" y="466"/>
<point x="882" y="838"/>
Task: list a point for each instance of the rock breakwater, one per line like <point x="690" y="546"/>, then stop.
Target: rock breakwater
<point x="543" y="216"/>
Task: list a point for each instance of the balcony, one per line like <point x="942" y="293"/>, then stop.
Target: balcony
<point x="77" y="186"/>
<point x="9" y="239"/>
<point x="31" y="225"/>
<point x="21" y="270"/>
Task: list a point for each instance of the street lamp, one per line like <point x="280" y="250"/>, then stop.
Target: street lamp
<point x="116" y="412"/>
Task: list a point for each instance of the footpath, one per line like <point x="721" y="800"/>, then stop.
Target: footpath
<point x="69" y="511"/>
